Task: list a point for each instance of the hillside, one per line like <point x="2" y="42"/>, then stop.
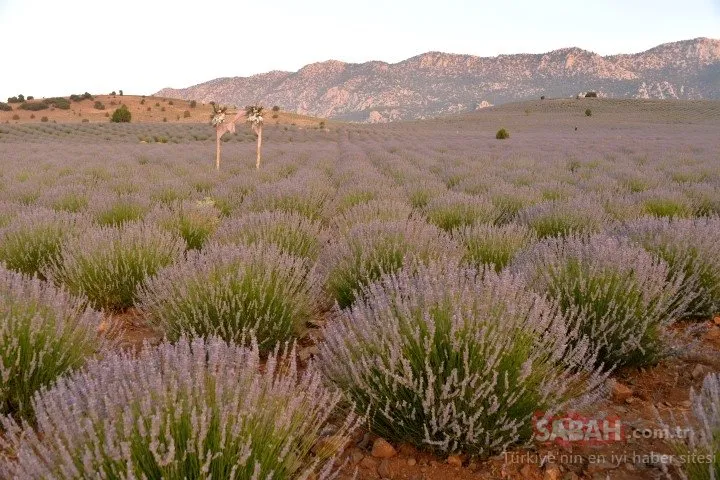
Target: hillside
<point x="150" y="109"/>
<point x="438" y="83"/>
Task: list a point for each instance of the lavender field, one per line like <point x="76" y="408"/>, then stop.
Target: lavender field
<point x="420" y="282"/>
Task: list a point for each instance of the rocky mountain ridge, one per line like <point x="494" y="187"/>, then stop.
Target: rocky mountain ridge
<point x="437" y="83"/>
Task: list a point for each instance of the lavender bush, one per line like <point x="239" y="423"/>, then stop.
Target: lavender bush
<point x="227" y="290"/>
<point x="560" y="217"/>
<point x="195" y="409"/>
<point x="453" y="359"/>
<point x="290" y="232"/>
<point x="620" y="296"/>
<point x="384" y="210"/>
<point x="455" y="209"/>
<point x="369" y="250"/>
<point x="690" y="247"/>
<point x="704" y="445"/>
<point x="108" y="210"/>
<point x="34" y="239"/>
<point x="193" y="221"/>
<point x="107" y="265"/>
<point x="488" y="244"/>
<point x="44" y="333"/>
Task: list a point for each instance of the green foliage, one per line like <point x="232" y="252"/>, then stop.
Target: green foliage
<point x="193" y="103"/>
<point x="44" y="333"/>
<point x="14" y="100"/>
<point x="107" y="265"/>
<point x="502" y="134"/>
<point x="121" y="115"/>
<point x="80" y="98"/>
<point x="588" y="113"/>
<point x="5" y="107"/>
<point x="227" y="291"/>
<point x="34" y="240"/>
<point x="99" y="105"/>
<point x="57" y="102"/>
<point x="489" y="244"/>
<point x="591" y="95"/>
<point x="35" y="106"/>
<point x="195" y="222"/>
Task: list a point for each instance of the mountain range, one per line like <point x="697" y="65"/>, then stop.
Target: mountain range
<point x="437" y="83"/>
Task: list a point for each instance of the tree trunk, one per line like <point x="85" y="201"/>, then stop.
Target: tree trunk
<point x="259" y="146"/>
<point x="217" y="153"/>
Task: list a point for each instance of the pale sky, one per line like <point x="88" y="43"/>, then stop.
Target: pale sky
<point x="54" y="47"/>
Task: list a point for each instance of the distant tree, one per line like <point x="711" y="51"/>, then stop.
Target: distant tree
<point x="502" y="134"/>
<point x="276" y="108"/>
<point x="542" y="97"/>
<point x="121" y="93"/>
<point x="121" y="115"/>
<point x="30" y="97"/>
<point x="113" y="93"/>
<point x="14" y="100"/>
<point x="588" y="113"/>
<point x="193" y="103"/>
<point x="21" y="98"/>
<point x="591" y="95"/>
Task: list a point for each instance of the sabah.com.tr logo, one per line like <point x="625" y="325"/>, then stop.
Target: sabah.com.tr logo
<point x="575" y="428"/>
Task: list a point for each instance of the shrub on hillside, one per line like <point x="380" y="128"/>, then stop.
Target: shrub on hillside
<point x="14" y="100"/>
<point x="98" y="105"/>
<point x="690" y="247"/>
<point x="57" y="102"/>
<point x="34" y="239"/>
<point x="370" y="250"/>
<point x="591" y="95"/>
<point x="588" y="113"/>
<point x="196" y="409"/>
<point x="193" y="103"/>
<point x="453" y="359"/>
<point x="16" y="117"/>
<point x="33" y="107"/>
<point x="275" y="108"/>
<point x="502" y="134"/>
<point x="186" y="114"/>
<point x="227" y="291"/>
<point x="79" y="98"/>
<point x="107" y="265"/>
<point x="620" y="296"/>
<point x="44" y="333"/>
<point x="5" y="107"/>
<point x="488" y="244"/>
<point x="290" y="232"/>
<point x="121" y="115"/>
<point x="43" y="119"/>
